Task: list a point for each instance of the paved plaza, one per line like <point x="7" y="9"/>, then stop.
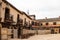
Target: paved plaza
<point x="43" y="37"/>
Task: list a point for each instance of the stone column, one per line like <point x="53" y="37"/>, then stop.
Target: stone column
<point x="15" y="33"/>
<point x="9" y="33"/>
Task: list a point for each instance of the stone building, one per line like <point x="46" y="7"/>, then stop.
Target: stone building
<point x="33" y="17"/>
<point x="35" y="23"/>
<point x="13" y="19"/>
<point x="52" y="24"/>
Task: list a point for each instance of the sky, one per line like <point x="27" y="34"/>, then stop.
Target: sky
<point x="40" y="8"/>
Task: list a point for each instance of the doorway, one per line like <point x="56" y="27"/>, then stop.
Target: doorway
<point x="52" y="31"/>
<point x="59" y="30"/>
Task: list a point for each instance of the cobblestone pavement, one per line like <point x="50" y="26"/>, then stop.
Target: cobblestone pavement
<point x="45" y="37"/>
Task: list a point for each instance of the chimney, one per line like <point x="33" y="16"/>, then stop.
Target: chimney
<point x="59" y="16"/>
<point x="45" y="17"/>
<point x="28" y="12"/>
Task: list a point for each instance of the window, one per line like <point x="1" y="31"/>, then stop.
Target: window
<point x="29" y="23"/>
<point x="7" y="10"/>
<point x="59" y="30"/>
<point x="12" y="18"/>
<point x="0" y="3"/>
<point x="54" y="23"/>
<point x="25" y="20"/>
<point x="46" y="23"/>
<point x="35" y="23"/>
<point x="32" y="23"/>
<point x="18" y="18"/>
<point x="7" y="13"/>
<point x="21" y="21"/>
<point x="38" y="24"/>
<point x="41" y="24"/>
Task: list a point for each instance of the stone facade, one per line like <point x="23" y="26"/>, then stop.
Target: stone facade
<point x="52" y="24"/>
<point x="13" y="20"/>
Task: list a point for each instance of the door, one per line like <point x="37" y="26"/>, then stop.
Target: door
<point x="52" y="31"/>
<point x="59" y="30"/>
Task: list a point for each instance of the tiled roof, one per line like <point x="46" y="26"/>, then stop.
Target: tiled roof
<point x="26" y="15"/>
<point x="16" y="8"/>
<point x="49" y="20"/>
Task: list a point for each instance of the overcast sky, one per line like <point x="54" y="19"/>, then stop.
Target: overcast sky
<point x="41" y="8"/>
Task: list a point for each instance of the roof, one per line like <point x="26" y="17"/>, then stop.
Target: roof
<point x="49" y="20"/>
<point x="27" y="15"/>
<point x="16" y="8"/>
<point x="32" y="15"/>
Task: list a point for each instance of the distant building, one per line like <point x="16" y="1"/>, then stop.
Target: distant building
<point x="14" y="21"/>
<point x="35" y="23"/>
<point x="52" y="24"/>
<point x="33" y="17"/>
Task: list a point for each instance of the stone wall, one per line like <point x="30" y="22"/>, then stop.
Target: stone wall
<point x="4" y="34"/>
<point x="25" y="31"/>
<point x="44" y="31"/>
